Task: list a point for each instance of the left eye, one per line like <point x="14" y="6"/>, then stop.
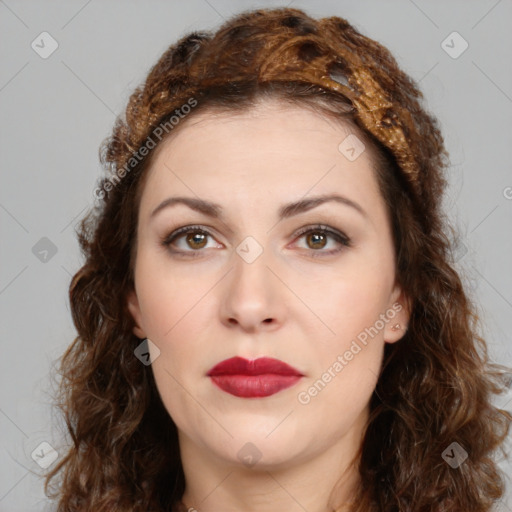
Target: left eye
<point x="316" y="238"/>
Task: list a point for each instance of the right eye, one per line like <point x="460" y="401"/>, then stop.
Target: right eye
<point x="196" y="239"/>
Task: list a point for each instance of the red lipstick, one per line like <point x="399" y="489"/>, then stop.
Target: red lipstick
<point x="252" y="379"/>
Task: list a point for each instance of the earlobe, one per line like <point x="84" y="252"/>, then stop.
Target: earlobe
<point x="394" y="332"/>
<point x="134" y="309"/>
<point x="399" y="312"/>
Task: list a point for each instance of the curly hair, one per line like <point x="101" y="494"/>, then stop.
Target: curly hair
<point x="436" y="385"/>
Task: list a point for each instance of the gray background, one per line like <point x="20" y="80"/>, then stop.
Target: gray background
<point x="56" y="111"/>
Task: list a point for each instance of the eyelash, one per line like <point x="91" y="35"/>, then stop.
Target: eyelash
<point x="319" y="228"/>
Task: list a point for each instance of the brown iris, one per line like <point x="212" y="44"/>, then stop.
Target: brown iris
<point x="196" y="237"/>
<point x="316" y="237"/>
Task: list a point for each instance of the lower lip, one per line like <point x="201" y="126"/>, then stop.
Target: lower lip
<point x="254" y="386"/>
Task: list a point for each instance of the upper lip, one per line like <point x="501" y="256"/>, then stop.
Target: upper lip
<point x="263" y="365"/>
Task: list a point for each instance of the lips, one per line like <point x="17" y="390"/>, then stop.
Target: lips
<point x="255" y="378"/>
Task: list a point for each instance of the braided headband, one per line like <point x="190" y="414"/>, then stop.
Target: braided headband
<point x="373" y="110"/>
<point x="387" y="120"/>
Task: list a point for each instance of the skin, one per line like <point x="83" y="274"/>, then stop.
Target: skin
<point x="286" y="304"/>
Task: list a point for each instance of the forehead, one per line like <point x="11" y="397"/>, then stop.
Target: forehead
<point x="274" y="150"/>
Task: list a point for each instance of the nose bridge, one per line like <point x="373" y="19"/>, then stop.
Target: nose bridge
<point x="251" y="274"/>
<point x="251" y="296"/>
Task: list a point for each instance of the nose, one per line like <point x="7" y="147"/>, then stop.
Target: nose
<point x="252" y="296"/>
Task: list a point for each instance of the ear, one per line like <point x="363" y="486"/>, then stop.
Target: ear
<point x="134" y="308"/>
<point x="398" y="313"/>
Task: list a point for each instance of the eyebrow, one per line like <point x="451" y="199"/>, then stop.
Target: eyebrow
<point x="214" y="210"/>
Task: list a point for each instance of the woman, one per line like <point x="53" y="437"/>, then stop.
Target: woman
<point x="267" y="316"/>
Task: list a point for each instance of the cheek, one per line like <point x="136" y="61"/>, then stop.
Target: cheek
<point x="349" y="353"/>
<point x="345" y="370"/>
<point x="176" y="309"/>
<point x="168" y="298"/>
<point x="347" y="301"/>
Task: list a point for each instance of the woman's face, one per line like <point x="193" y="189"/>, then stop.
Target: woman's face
<point x="251" y="282"/>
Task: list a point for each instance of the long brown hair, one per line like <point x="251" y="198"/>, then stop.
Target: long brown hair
<point x="436" y="384"/>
